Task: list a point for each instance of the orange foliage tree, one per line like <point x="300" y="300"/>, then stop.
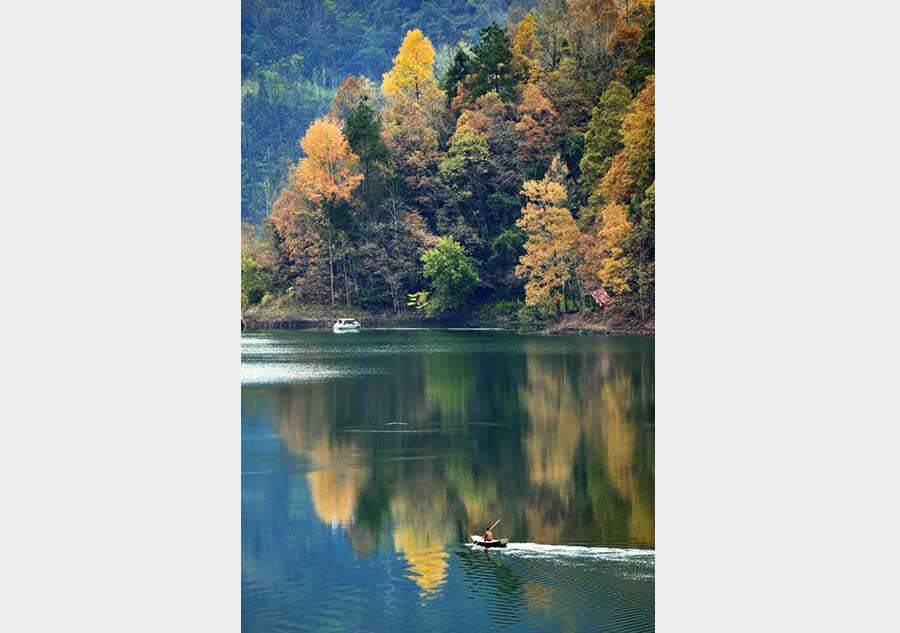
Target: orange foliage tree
<point x="328" y="173"/>
<point x="350" y="94"/>
<point x="539" y="127"/>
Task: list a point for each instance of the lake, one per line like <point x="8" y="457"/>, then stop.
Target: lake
<point x="368" y="458"/>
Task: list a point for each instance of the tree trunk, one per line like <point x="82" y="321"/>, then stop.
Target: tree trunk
<point x="347" y="283"/>
<point x="331" y="268"/>
<point x="353" y="277"/>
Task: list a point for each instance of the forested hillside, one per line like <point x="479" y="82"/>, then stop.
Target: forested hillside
<point x="512" y="175"/>
<point x="295" y="53"/>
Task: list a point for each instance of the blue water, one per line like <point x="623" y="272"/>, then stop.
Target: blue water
<point x="368" y="459"/>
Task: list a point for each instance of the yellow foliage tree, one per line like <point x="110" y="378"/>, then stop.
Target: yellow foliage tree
<point x="413" y="71"/>
<point x="328" y="173"/>
<point x="638" y="135"/>
<point x="527" y="49"/>
<point x="632" y="171"/>
<point x="550" y="249"/>
<point x="616" y="185"/>
<point x="615" y="233"/>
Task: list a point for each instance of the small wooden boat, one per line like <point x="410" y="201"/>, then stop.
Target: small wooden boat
<point x="478" y="540"/>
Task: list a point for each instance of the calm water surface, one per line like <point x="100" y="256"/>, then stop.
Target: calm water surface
<point x="368" y="459"/>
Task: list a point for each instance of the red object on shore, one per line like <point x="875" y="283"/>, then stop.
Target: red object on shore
<point x="601" y="297"/>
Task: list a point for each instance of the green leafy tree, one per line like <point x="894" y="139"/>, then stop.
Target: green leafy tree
<point x="456" y="73"/>
<point x="642" y="250"/>
<point x="464" y="173"/>
<point x="255" y="280"/>
<point x="645" y="57"/>
<point x="603" y="137"/>
<point x="494" y="69"/>
<point x="453" y="276"/>
<point x="363" y="132"/>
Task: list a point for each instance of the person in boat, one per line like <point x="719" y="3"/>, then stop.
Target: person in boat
<point x="488" y="535"/>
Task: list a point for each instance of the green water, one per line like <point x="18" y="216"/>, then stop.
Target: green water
<point x="369" y="458"/>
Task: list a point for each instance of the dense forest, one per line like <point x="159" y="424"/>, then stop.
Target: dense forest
<point x="295" y="53"/>
<point x="510" y="175"/>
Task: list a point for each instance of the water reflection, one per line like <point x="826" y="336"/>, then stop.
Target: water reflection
<point x="411" y="452"/>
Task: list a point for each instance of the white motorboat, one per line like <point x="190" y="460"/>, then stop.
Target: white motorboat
<point x="346" y="325"/>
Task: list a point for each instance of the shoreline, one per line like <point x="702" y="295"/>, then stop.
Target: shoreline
<point x="568" y="325"/>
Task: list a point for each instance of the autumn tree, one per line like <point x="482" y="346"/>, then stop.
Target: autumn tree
<point x="590" y="24"/>
<point x="302" y="249"/>
<point x="565" y="87"/>
<point x="326" y="178"/>
<point x="644" y="60"/>
<point x="527" y="49"/>
<point x="642" y="250"/>
<point x="453" y="276"/>
<point x="328" y="173"/>
<point x="615" y="235"/>
<point x="539" y="127"/>
<point x="550" y="21"/>
<point x="413" y="67"/>
<point x="413" y="143"/>
<point x="632" y="168"/>
<point x="534" y="126"/>
<point x="639" y="134"/>
<point x="352" y="91"/>
<point x="603" y="138"/>
<point x="622" y="249"/>
<point x="622" y="46"/>
<point x="549" y="260"/>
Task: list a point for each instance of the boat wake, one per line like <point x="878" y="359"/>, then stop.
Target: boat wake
<point x="557" y="552"/>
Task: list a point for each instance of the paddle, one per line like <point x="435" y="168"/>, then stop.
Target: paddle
<point x="493" y="526"/>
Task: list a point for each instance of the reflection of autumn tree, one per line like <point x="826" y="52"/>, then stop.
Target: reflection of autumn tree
<point x="619" y="438"/>
<point x="410" y="497"/>
<point x="586" y="415"/>
<point x="335" y="483"/>
<point x="545" y="514"/>
<point x="582" y="470"/>
<point x="334" y="493"/>
<point x="424" y="526"/>
<point x="551" y="444"/>
<point x="478" y="495"/>
<point x="556" y="425"/>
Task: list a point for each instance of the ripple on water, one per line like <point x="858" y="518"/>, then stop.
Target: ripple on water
<point x="273" y="373"/>
<point x="555" y="587"/>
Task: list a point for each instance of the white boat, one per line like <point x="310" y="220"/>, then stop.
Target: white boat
<point x="346" y="325"/>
